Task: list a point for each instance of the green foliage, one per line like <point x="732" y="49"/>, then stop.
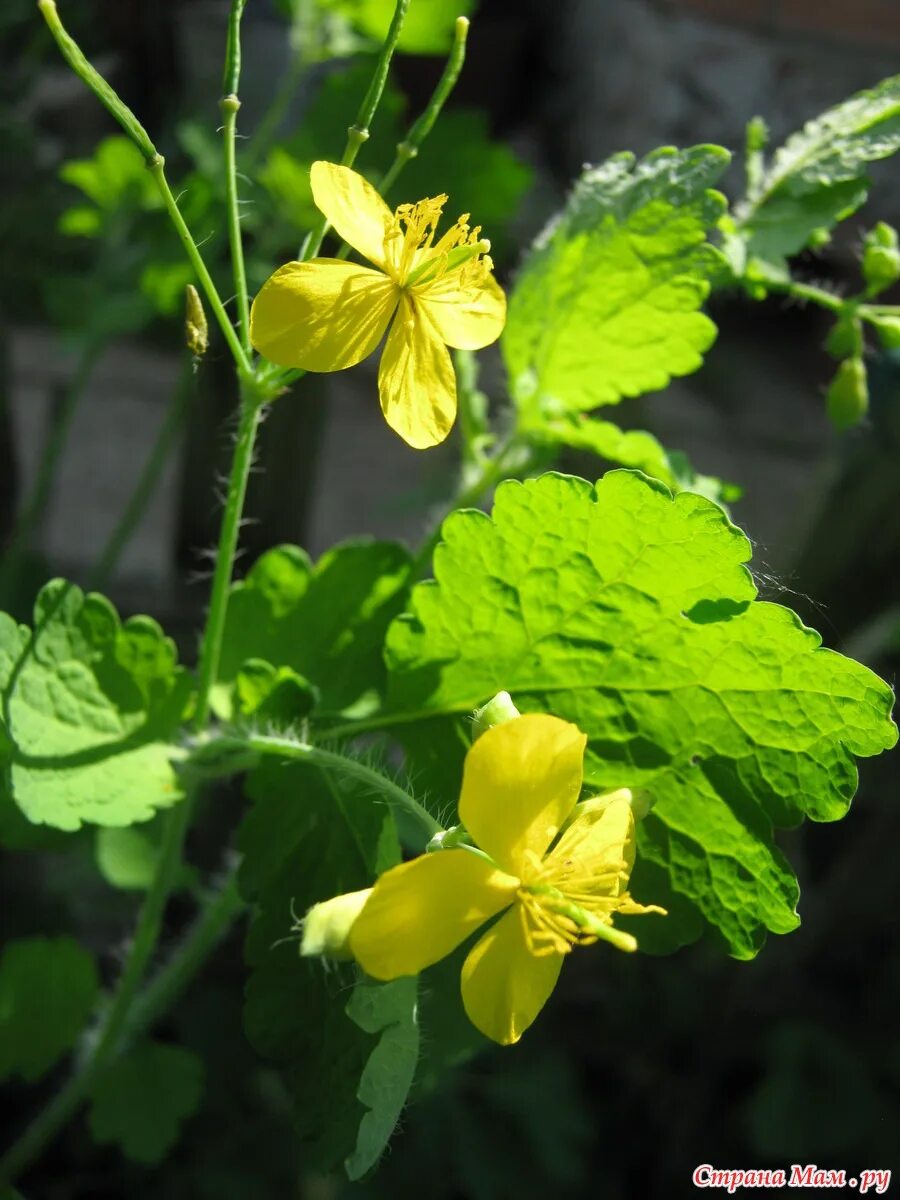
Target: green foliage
<point x="114" y="178"/>
<point x="142" y="1100"/>
<point x="817" y="178"/>
<point x="90" y="709"/>
<point x="388" y="1009"/>
<point x="632" y="614"/>
<point x="325" y="623"/>
<point x="847" y="400"/>
<point x="427" y="29"/>
<point x="48" y="987"/>
<point x="607" y="303"/>
<point x="308" y="837"/>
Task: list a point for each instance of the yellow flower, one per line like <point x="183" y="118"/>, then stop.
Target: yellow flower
<point x="328" y="314"/>
<point x="559" y="872"/>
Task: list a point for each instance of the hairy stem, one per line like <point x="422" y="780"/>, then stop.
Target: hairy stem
<point x="229" y="104"/>
<point x="358" y="133"/>
<point x="211" y="647"/>
<point x="284" y="747"/>
<point x="166" y="439"/>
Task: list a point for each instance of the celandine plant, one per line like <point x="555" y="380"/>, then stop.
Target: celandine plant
<point x="610" y="724"/>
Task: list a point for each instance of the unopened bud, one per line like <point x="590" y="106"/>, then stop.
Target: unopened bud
<point x="326" y="927"/>
<point x="845" y="340"/>
<point x="881" y="257"/>
<point x="495" y="712"/>
<point x="196" y="331"/>
<point x="848" y="396"/>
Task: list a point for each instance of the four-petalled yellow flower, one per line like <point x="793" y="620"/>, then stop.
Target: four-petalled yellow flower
<point x="328" y="314"/>
<point x="560" y="873"/>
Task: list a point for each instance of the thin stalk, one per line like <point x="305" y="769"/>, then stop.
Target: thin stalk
<point x="72" y="1095"/>
<point x="229" y="104"/>
<point x="157" y="169"/>
<point x="358" y="133"/>
<point x="808" y="292"/>
<point x="36" y="503"/>
<point x="211" y="648"/>
<point x="330" y="760"/>
<point x="147" y="482"/>
<point x="155" y="164"/>
<point x="421" y="128"/>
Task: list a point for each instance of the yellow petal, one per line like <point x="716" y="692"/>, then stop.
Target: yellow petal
<point x="322" y="315"/>
<point x="598" y="842"/>
<point x="420" y="911"/>
<point x="416" y="382"/>
<point x="520" y="782"/>
<point x="466" y="318"/>
<point x="504" y="985"/>
<point x="353" y="207"/>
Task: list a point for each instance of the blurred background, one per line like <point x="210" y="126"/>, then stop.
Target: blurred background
<point x="640" y="1069"/>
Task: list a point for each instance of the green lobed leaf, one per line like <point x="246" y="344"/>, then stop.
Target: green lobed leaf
<point x="388" y="1009"/>
<point x="142" y="1100"/>
<point x="90" y="710"/>
<point x="632" y="614"/>
<point x="48" y="987"/>
<point x="818" y="176"/>
<point x="310" y="836"/>
<point x="114" y="177"/>
<point x="607" y="304"/>
<point x="325" y="623"/>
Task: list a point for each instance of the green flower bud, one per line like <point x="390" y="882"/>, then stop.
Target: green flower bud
<point x="196" y="331"/>
<point x="495" y="712"/>
<point x="881" y="258"/>
<point x="845" y="339"/>
<point x="847" y="400"/>
<point x="888" y="330"/>
<point x="326" y="927"/>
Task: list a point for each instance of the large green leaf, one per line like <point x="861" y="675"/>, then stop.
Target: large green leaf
<point x="818" y="176"/>
<point x="632" y="614"/>
<point x="90" y="711"/>
<point x="326" y="623"/>
<point x="48" y="987"/>
<point x="607" y="304"/>
<point x="142" y="1100"/>
<point x="308" y="837"/>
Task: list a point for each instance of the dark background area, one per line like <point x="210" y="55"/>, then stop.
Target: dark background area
<point x="640" y="1068"/>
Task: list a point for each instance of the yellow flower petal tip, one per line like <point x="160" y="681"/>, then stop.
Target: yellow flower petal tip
<point x="553" y="872"/>
<point x="328" y="314"/>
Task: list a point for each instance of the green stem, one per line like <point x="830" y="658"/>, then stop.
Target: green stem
<point x="229" y="104"/>
<point x="284" y="747"/>
<point x="421" y="128"/>
<point x="808" y="292"/>
<point x="155" y="164"/>
<point x="148" y="480"/>
<point x="36" y="503"/>
<point x="220" y="910"/>
<point x="358" y="133"/>
<point x="157" y="169"/>
<point x="211" y="648"/>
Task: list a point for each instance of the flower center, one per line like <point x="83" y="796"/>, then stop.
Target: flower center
<point x="418" y="260"/>
<point x="568" y="899"/>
